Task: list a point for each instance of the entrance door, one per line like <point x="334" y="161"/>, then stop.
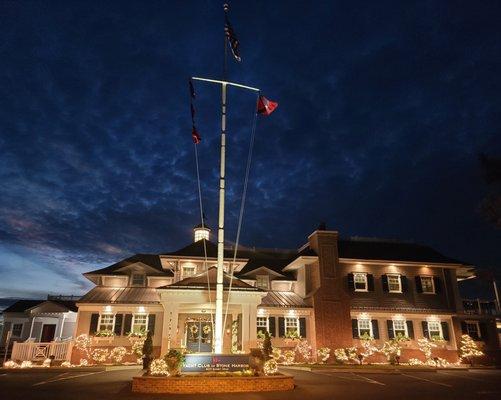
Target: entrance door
<point x="48" y="331"/>
<point x="199" y="336"/>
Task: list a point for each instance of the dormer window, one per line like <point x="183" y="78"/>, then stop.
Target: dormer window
<point x="138" y="279"/>
<point x="263" y="282"/>
<point x="394" y="283"/>
<point x="188" y="270"/>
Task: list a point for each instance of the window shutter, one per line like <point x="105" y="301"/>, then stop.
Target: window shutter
<point x="118" y="324"/>
<point x="403" y="281"/>
<point x="127" y="324"/>
<point x="484" y="331"/>
<point x="384" y="280"/>
<point x="438" y="284"/>
<point x="445" y="330"/>
<point x="370" y="282"/>
<point x="302" y="327"/>
<point x="273" y="328"/>
<point x="281" y="327"/>
<point x="391" y="333"/>
<point x="426" y="333"/>
<point x="94" y="319"/>
<point x="375" y="329"/>
<point x="351" y="282"/>
<point x="464" y="330"/>
<point x="419" y="287"/>
<point x="151" y="323"/>
<point x="354" y="328"/>
<point x="410" y="329"/>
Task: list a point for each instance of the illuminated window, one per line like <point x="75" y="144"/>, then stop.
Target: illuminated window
<point x="201" y="234"/>
<point x="427" y="284"/>
<point x="263" y="282"/>
<point x="400" y="328"/>
<point x="188" y="270"/>
<point x="17" y="329"/>
<point x="435" y="330"/>
<point x="360" y="281"/>
<point x="262" y="325"/>
<point x="473" y="330"/>
<point x="292" y="327"/>
<point x="138" y="279"/>
<point x="140" y="323"/>
<point x="394" y="283"/>
<point x="106" y="322"/>
<point x="364" y="327"/>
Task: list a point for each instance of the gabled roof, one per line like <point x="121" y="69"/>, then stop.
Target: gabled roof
<point x="202" y="281"/>
<point x="282" y="299"/>
<point x="124" y="295"/>
<point x="197" y="249"/>
<point x="25" y="305"/>
<point x="151" y="260"/>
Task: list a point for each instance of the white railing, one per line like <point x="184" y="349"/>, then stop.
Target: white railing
<point x="31" y="351"/>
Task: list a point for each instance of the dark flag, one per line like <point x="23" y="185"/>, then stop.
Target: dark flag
<point x="230" y="35"/>
<point x="192" y="89"/>
<point x="265" y="106"/>
<point x="192" y="114"/>
<point x="195" y="136"/>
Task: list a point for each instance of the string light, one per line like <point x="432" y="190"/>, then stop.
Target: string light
<point x="158" y="367"/>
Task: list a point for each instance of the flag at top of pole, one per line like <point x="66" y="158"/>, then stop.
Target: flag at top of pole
<point x="265" y="106"/>
<point x="230" y="35"/>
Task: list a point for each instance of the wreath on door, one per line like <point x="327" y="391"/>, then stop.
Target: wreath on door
<point x="194" y="330"/>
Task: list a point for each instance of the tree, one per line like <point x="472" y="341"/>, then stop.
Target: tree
<point x="267" y="347"/>
<point x="147" y="350"/>
<point x="468" y="349"/>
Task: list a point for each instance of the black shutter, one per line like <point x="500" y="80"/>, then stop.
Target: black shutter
<point x="354" y="328"/>
<point x="94" y="319"/>
<point x="375" y="329"/>
<point x="445" y="330"/>
<point x="484" y="332"/>
<point x="281" y="327"/>
<point x="302" y="328"/>
<point x="151" y="324"/>
<point x="391" y="333"/>
<point x="426" y="333"/>
<point x="438" y="284"/>
<point x="384" y="280"/>
<point x="127" y="324"/>
<point x="419" y="286"/>
<point x="351" y="282"/>
<point x="410" y="329"/>
<point x="370" y="282"/>
<point x="273" y="328"/>
<point x="118" y="324"/>
<point x="464" y="329"/>
<point x="403" y="281"/>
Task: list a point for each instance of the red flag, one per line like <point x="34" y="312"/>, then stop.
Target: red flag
<point x="195" y="136"/>
<point x="265" y="106"/>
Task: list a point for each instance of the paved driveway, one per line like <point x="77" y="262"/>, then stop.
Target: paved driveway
<point x="478" y="384"/>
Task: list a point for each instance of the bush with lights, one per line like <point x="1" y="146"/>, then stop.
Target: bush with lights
<point x="468" y="349"/>
<point x="159" y="367"/>
<point x="304" y="350"/>
<point x="10" y="364"/>
<point x="117" y="354"/>
<point x="323" y="354"/>
<point x="270" y="367"/>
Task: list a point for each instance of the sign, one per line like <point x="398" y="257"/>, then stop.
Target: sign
<point x="215" y="363"/>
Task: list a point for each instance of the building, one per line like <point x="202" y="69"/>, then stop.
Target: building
<point x="40" y="320"/>
<point x="331" y="291"/>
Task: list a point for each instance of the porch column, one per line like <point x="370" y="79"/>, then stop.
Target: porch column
<point x="169" y="328"/>
<point x="245" y="327"/>
<point x="253" y="323"/>
<point x="61" y="323"/>
<point x="31" y="328"/>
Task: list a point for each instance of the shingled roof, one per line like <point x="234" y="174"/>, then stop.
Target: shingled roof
<point x="152" y="260"/>
<point x="24" y="305"/>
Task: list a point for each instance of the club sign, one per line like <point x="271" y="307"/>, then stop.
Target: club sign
<point x="215" y="362"/>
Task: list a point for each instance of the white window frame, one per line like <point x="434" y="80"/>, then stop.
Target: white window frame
<point x="423" y="277"/>
<point x="101" y="323"/>
<point x="264" y="279"/>
<point x="364" y="280"/>
<point x="395" y="329"/>
<point x="361" y="321"/>
<point x="289" y="325"/>
<point x="477" y="325"/>
<point x="136" y="315"/>
<point x="143" y="278"/>
<point x="20" y="332"/>
<point x="193" y="268"/>
<point x="440" y="332"/>
<point x="399" y="277"/>
<point x="260" y="325"/>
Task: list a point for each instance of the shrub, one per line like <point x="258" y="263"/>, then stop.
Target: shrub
<point x="147" y="350"/>
<point x="267" y="347"/>
<point x="175" y="360"/>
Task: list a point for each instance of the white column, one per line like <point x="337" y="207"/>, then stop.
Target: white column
<point x="169" y="327"/>
<point x="32" y="323"/>
<point x="252" y="323"/>
<point x="245" y="327"/>
<point x="61" y="323"/>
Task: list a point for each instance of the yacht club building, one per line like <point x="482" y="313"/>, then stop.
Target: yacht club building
<point x="331" y="291"/>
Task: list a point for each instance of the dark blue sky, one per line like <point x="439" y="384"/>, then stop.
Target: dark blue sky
<point x="384" y="108"/>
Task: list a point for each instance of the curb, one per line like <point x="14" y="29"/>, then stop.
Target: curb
<point x="71" y="369"/>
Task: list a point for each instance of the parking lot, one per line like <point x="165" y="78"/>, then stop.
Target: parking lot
<point x="320" y="384"/>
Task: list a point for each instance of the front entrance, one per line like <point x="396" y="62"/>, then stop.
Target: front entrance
<point x="198" y="335"/>
<point x="48" y="331"/>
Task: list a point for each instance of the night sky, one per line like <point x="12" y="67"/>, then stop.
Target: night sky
<point x="384" y="108"/>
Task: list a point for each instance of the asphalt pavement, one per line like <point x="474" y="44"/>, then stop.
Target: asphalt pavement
<point x="323" y="384"/>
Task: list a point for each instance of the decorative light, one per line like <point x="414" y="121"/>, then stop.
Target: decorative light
<point x="26" y="364"/>
<point x="270" y="367"/>
<point x="10" y="364"/>
<point x="107" y="308"/>
<point x="67" y="364"/>
<point x="141" y="309"/>
<point x="323" y="354"/>
<point x="46" y="363"/>
<point x="118" y="353"/>
<point x="469" y="349"/>
<point x="158" y="367"/>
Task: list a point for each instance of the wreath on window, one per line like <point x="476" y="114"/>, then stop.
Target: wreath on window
<point x="207" y="329"/>
<point x="194" y="330"/>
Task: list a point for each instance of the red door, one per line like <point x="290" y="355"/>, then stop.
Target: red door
<point x="48" y="331"/>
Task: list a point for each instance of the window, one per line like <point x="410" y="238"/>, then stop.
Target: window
<point x="364" y="327"/>
<point x="263" y="282"/>
<point x="394" y="283"/>
<point x="17" y="329"/>
<point x="400" y="328"/>
<point x="262" y="326"/>
<point x="473" y="330"/>
<point x="106" y="322"/>
<point x="435" y="330"/>
<point x="360" y="281"/>
<point x="140" y="323"/>
<point x="138" y="279"/>
<point x="427" y="284"/>
<point x="188" y="270"/>
<point x="292" y="327"/>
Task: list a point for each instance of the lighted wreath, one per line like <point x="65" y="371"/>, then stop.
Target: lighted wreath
<point x="207" y="329"/>
<point x="193" y="330"/>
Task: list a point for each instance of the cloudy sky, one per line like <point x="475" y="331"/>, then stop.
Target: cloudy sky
<point x="384" y="108"/>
